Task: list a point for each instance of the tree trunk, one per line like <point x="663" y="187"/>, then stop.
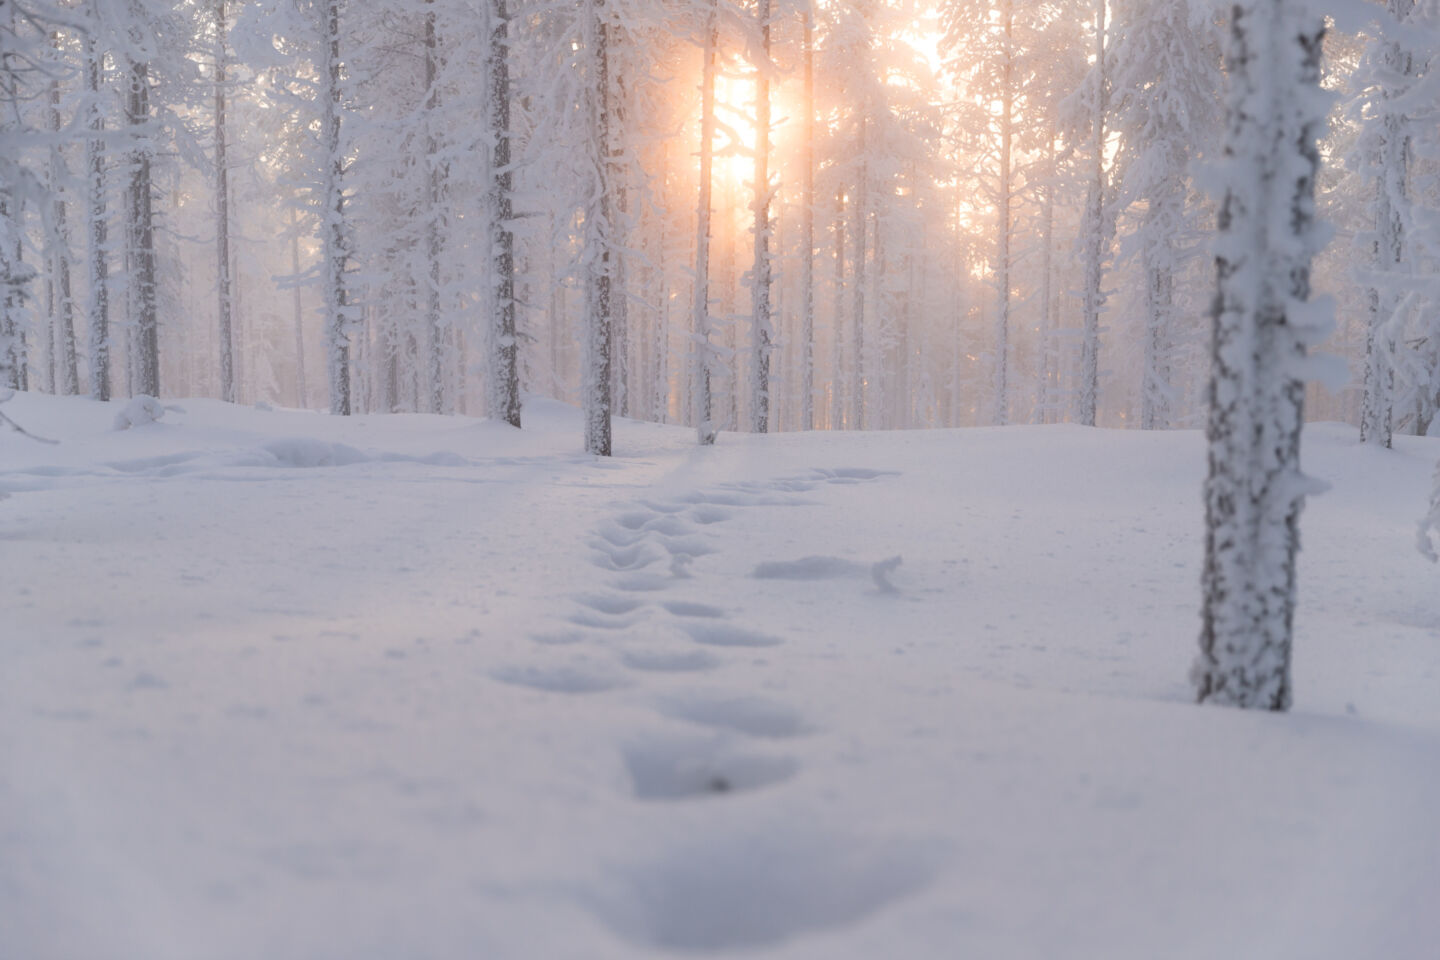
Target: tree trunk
<point x="1388" y="253"/>
<point x="596" y="400"/>
<point x="859" y="211"/>
<point x="1003" y="225"/>
<point x="435" y="392"/>
<point x="1045" y="387"/>
<point x="67" y="375"/>
<point x="807" y="231"/>
<point x="505" y="374"/>
<point x="98" y="217"/>
<point x="222" y="216"/>
<point x="1254" y="491"/>
<point x="145" y="373"/>
<point x="299" y="314"/>
<point x="837" y="329"/>
<point x="760" y="279"/>
<point x="700" y="350"/>
<point x="1095" y="236"/>
<point x="334" y="232"/>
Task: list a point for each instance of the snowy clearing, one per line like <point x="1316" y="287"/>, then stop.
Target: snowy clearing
<point x="281" y="685"/>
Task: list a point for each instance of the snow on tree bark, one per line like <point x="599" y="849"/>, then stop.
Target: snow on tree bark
<point x="140" y="246"/>
<point x="760" y="278"/>
<point x="1262" y="326"/>
<point x="807" y="229"/>
<point x="63" y="355"/>
<point x="1388" y="254"/>
<point x="222" y="216"/>
<point x="505" y="373"/>
<point x="595" y="386"/>
<point x="1096" y="237"/>
<point x="701" y="349"/>
<point x="334" y="231"/>
<point x="98" y="219"/>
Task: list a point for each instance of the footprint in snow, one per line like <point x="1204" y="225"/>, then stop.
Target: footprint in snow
<point x="708" y="514"/>
<point x="642" y="582"/>
<point x="668" y="661"/>
<point x="609" y="603"/>
<point x="687" y="608"/>
<point x="625" y="558"/>
<point x="726" y="635"/>
<point x="563" y="678"/>
<point x="680" y="768"/>
<point x="753" y="716"/>
<point x="726" y="890"/>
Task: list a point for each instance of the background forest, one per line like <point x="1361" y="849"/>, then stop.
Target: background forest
<point x="973" y="213"/>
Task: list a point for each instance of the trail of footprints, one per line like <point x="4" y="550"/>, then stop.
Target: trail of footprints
<point x="640" y="630"/>
<point x="731" y="888"/>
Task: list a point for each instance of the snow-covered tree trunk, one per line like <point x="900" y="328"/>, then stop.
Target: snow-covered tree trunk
<point x="595" y="382"/>
<point x="807" y="229"/>
<point x="760" y="277"/>
<point x="859" y="211"/>
<point x="1388" y="255"/>
<point x="1096" y="240"/>
<point x="700" y="348"/>
<point x="98" y="219"/>
<point x="1157" y="259"/>
<point x="140" y="246"/>
<point x="13" y="278"/>
<point x="298" y="314"/>
<point x="335" y="234"/>
<point x="505" y="374"/>
<point x="63" y="358"/>
<point x="1263" y="324"/>
<point x="222" y="216"/>
<point x="436" y="396"/>
<point x="1003" y="227"/>
<point x="1045" y="390"/>
<point x="837" y="329"/>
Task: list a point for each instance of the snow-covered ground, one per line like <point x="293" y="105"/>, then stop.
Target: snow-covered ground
<point x="285" y="686"/>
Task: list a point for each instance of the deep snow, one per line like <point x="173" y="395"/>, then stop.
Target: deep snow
<point x="286" y="686"/>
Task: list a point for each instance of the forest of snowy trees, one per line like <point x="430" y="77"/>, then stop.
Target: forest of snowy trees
<point x="765" y="216"/>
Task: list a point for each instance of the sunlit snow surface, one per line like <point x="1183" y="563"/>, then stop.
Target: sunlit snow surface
<point x="285" y="686"/>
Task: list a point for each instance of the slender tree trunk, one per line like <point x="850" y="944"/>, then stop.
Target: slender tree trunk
<point x="700" y="350"/>
<point x="505" y="376"/>
<point x="145" y="375"/>
<point x="335" y="231"/>
<point x="1003" y="228"/>
<point x="1266" y="239"/>
<point x="837" y="353"/>
<point x="301" y="392"/>
<point x="619" y="236"/>
<point x="859" y="212"/>
<point x="67" y="374"/>
<point x="1389" y="253"/>
<point x="807" y="231"/>
<point x="761" y="279"/>
<point x="1047" y="270"/>
<point x="598" y="358"/>
<point x="222" y="216"/>
<point x="1159" y="312"/>
<point x="98" y="219"/>
<point x="1095" y="236"/>
<point x="436" y="396"/>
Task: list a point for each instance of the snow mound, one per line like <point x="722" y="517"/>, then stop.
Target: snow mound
<point x="138" y="412"/>
<point x="732" y="891"/>
<point x="308" y="452"/>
